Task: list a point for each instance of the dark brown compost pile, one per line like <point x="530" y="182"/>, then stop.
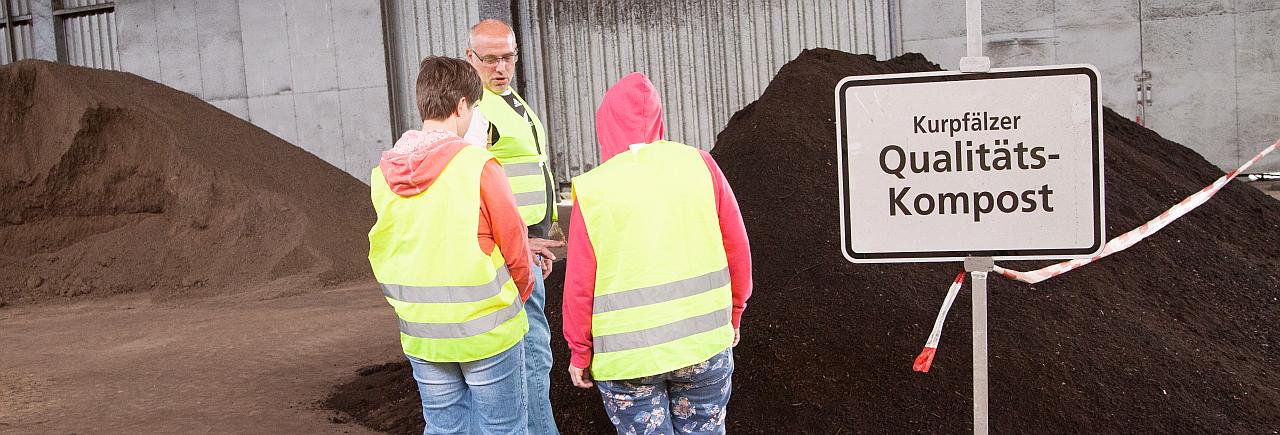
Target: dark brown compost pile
<point x="111" y="183"/>
<point x="1178" y="334"/>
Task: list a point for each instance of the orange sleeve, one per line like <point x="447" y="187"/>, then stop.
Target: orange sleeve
<point x="501" y="225"/>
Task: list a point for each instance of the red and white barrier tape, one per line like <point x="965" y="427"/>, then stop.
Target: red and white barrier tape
<point x="925" y="359"/>
<point x="1132" y="237"/>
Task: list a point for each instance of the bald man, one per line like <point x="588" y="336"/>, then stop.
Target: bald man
<point x="506" y="125"/>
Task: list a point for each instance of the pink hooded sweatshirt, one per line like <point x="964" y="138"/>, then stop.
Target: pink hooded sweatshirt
<point x="415" y="163"/>
<point x="631" y="113"/>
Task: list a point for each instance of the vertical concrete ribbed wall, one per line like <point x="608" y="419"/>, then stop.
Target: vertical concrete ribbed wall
<point x="22" y="34"/>
<point x="423" y="28"/>
<point x="91" y="39"/>
<point x="707" y="58"/>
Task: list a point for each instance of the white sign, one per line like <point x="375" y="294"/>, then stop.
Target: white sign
<point x="944" y="165"/>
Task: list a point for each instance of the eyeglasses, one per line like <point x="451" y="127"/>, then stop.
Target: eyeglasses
<point x="494" y="60"/>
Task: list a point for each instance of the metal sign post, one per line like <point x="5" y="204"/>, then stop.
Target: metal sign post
<point x="975" y="61"/>
<point x="978" y="268"/>
<point x="1007" y="165"/>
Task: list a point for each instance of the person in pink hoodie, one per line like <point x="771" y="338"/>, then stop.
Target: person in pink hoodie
<point x="451" y="253"/>
<point x="673" y="394"/>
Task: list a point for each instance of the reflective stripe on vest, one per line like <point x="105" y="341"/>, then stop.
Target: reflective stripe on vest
<point x="448" y="293"/>
<point x="662" y="334"/>
<point x="465" y="329"/>
<point x="522" y="151"/>
<point x="661" y="293"/>
<point x="531" y="198"/>
<point x="653" y="314"/>
<point x="454" y="302"/>
<point x="522" y="169"/>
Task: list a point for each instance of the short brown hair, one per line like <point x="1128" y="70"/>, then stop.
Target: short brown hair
<point x="442" y="81"/>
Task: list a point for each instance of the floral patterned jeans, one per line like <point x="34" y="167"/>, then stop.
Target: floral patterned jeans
<point x="691" y="400"/>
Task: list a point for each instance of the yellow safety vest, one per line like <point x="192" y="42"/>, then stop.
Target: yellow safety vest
<point x="523" y="154"/>
<point x="662" y="293"/>
<point x="455" y="303"/>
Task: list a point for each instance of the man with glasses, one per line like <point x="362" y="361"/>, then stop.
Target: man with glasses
<point x="507" y="126"/>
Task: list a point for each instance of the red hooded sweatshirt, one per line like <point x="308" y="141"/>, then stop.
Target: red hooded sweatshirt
<point x="632" y="114"/>
<point x="416" y="161"/>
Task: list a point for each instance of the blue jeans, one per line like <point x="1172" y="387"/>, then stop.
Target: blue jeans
<point x="537" y="344"/>
<point x="485" y="396"/>
<point x="691" y="400"/>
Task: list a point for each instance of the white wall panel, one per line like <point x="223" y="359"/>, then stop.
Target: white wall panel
<point x="312" y="72"/>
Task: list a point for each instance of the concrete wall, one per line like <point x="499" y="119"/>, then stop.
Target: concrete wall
<point x="312" y="72"/>
<point x="1257" y="36"/>
<point x="1214" y="64"/>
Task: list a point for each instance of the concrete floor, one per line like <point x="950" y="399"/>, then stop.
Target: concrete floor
<point x="253" y="362"/>
<point x="1271" y="187"/>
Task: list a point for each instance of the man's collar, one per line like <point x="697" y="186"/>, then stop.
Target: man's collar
<point x="504" y="93"/>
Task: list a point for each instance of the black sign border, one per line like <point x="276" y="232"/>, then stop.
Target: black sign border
<point x="846" y="244"/>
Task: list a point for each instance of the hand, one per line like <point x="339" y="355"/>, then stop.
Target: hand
<point x="736" y="336"/>
<point x="581" y="377"/>
<point x="542" y="253"/>
<point x="543" y="263"/>
<point x="543" y="246"/>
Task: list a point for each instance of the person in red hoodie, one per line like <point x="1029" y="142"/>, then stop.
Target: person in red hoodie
<point x="658" y="273"/>
<point x="450" y="251"/>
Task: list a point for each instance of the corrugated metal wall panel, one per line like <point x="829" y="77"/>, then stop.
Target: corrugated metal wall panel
<point x="115" y="44"/>
<point x="23" y="35"/>
<point x="19" y="13"/>
<point x="530" y="26"/>
<point x="426" y="28"/>
<point x="90" y="40"/>
<point x="20" y="7"/>
<point x="72" y="4"/>
<point x="708" y="59"/>
<point x="71" y="39"/>
<point x="22" y="40"/>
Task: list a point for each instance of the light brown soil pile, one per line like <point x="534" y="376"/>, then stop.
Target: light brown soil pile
<point x="111" y="184"/>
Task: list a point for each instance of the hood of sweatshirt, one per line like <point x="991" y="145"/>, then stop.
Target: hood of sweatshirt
<point x="417" y="159"/>
<point x="631" y="113"/>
